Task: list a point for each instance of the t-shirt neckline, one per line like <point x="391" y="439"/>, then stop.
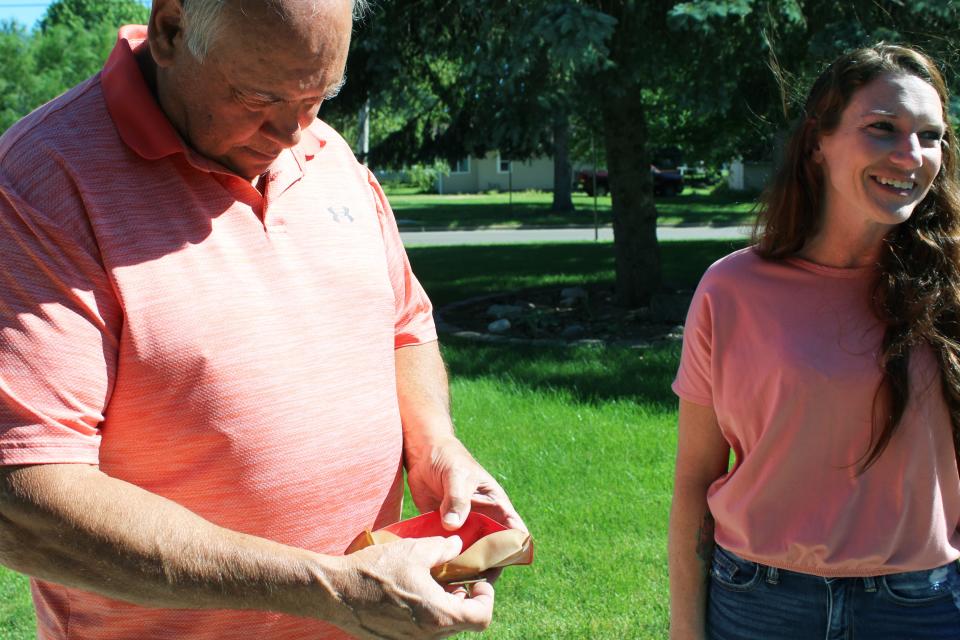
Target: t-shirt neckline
<point x="832" y="272"/>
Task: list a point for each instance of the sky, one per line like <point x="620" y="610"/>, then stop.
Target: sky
<point x="26" y="12"/>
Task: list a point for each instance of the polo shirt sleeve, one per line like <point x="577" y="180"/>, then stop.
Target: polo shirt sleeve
<point x="59" y="328"/>
<point x="414" y="312"/>
<point x="694" y="381"/>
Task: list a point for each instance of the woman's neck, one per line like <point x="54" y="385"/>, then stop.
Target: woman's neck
<point x="845" y="246"/>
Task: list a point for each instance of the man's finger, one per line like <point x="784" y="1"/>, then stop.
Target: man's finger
<point x="457" y="491"/>
<point x="476" y="611"/>
<point x="505" y="514"/>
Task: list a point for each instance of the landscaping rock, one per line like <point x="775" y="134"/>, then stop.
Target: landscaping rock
<point x="571" y="297"/>
<point x="572" y="332"/>
<point x="573" y="293"/>
<point x="499" y="326"/>
<point x="499" y="311"/>
<point x="589" y="318"/>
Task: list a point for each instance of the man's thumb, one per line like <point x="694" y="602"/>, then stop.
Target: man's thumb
<point x="440" y="549"/>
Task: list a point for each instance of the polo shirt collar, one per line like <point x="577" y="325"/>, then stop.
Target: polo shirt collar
<point x="141" y="123"/>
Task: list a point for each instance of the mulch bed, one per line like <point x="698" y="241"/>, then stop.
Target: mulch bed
<point x="557" y="315"/>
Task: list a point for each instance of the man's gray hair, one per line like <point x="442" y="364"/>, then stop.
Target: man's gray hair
<point x="203" y="22"/>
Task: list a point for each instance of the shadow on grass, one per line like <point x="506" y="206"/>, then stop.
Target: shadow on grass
<point x="533" y="211"/>
<point x="454" y="273"/>
<point x="451" y="274"/>
<point x="590" y="375"/>
<point x="723" y="209"/>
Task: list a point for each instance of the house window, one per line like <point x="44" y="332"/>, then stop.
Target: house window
<point x="461" y="166"/>
<point x="503" y="166"/>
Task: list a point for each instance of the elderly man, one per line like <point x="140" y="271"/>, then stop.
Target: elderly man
<point x="215" y="362"/>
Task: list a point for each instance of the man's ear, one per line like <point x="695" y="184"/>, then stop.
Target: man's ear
<point x="165" y="31"/>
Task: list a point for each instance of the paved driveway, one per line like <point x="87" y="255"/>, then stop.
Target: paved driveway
<point x="519" y="236"/>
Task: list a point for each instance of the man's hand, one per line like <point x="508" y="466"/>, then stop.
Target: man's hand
<point x="74" y="525"/>
<point x="440" y="471"/>
<point x="443" y="475"/>
<point x="386" y="591"/>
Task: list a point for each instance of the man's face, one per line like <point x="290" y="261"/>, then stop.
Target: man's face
<point x="262" y="81"/>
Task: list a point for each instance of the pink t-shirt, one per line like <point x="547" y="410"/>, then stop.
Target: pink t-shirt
<point x="786" y="354"/>
<point x="230" y="351"/>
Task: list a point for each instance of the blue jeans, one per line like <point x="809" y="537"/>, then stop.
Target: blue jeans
<point x="750" y="601"/>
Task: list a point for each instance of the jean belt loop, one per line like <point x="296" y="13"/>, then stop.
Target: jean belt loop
<point x="773" y="575"/>
<point x="870" y="584"/>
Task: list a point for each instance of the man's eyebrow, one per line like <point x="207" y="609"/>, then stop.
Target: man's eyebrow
<point x="256" y="94"/>
<point x="336" y="88"/>
<point x="266" y="96"/>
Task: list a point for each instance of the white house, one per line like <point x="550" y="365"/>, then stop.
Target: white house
<point x="493" y="173"/>
<point x="749" y="176"/>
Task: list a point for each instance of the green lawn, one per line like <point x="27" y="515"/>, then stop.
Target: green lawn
<point x="583" y="439"/>
<point x="16" y="611"/>
<point x="528" y="209"/>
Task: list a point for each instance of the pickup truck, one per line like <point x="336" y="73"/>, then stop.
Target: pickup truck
<point x="666" y="182"/>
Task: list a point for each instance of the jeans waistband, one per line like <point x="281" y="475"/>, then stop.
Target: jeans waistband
<point x="772" y="575"/>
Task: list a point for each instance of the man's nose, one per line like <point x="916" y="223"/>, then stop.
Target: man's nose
<point x="283" y="127"/>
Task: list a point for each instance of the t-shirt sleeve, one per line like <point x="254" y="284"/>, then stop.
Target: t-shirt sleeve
<point x="59" y="328"/>
<point x="694" y="381"/>
<point x="414" y="312"/>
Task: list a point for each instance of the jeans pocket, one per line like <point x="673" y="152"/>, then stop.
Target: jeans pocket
<point x="915" y="588"/>
<point x="732" y="572"/>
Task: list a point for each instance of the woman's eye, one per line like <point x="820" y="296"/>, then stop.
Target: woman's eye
<point x="934" y="136"/>
<point x="881" y="126"/>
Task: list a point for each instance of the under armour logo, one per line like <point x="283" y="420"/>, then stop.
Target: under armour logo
<point x="340" y="212"/>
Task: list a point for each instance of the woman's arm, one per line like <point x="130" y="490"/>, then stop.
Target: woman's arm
<point x="702" y="457"/>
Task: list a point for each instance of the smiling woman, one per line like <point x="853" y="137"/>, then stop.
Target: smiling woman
<point x="825" y="358"/>
<point x="879" y="164"/>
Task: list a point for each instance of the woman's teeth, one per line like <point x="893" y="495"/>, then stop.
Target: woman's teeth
<point x="896" y="184"/>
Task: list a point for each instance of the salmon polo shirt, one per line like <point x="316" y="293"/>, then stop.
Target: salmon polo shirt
<point x="230" y="351"/>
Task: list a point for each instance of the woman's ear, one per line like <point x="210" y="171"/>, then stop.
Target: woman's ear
<point x="813" y="134"/>
<point x="816" y="154"/>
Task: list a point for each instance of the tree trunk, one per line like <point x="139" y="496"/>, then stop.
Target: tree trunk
<point x="562" y="174"/>
<point x="631" y="188"/>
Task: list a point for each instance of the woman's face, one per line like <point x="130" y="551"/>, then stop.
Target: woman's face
<point x="880" y="161"/>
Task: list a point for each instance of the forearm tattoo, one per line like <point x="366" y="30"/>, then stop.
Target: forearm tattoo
<point x="705" y="543"/>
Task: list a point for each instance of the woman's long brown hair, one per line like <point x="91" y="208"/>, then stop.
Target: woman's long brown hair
<point x="917" y="294"/>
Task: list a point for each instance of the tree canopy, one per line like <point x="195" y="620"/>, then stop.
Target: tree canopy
<point x="716" y="78"/>
<point x="71" y="44"/>
<point x="444" y="79"/>
<point x="94" y="14"/>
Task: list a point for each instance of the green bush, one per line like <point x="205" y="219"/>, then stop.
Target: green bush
<point x="424" y="177"/>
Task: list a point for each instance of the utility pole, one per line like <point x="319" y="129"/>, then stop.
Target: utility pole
<point x="363" y="141"/>
<point x="596" y="215"/>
